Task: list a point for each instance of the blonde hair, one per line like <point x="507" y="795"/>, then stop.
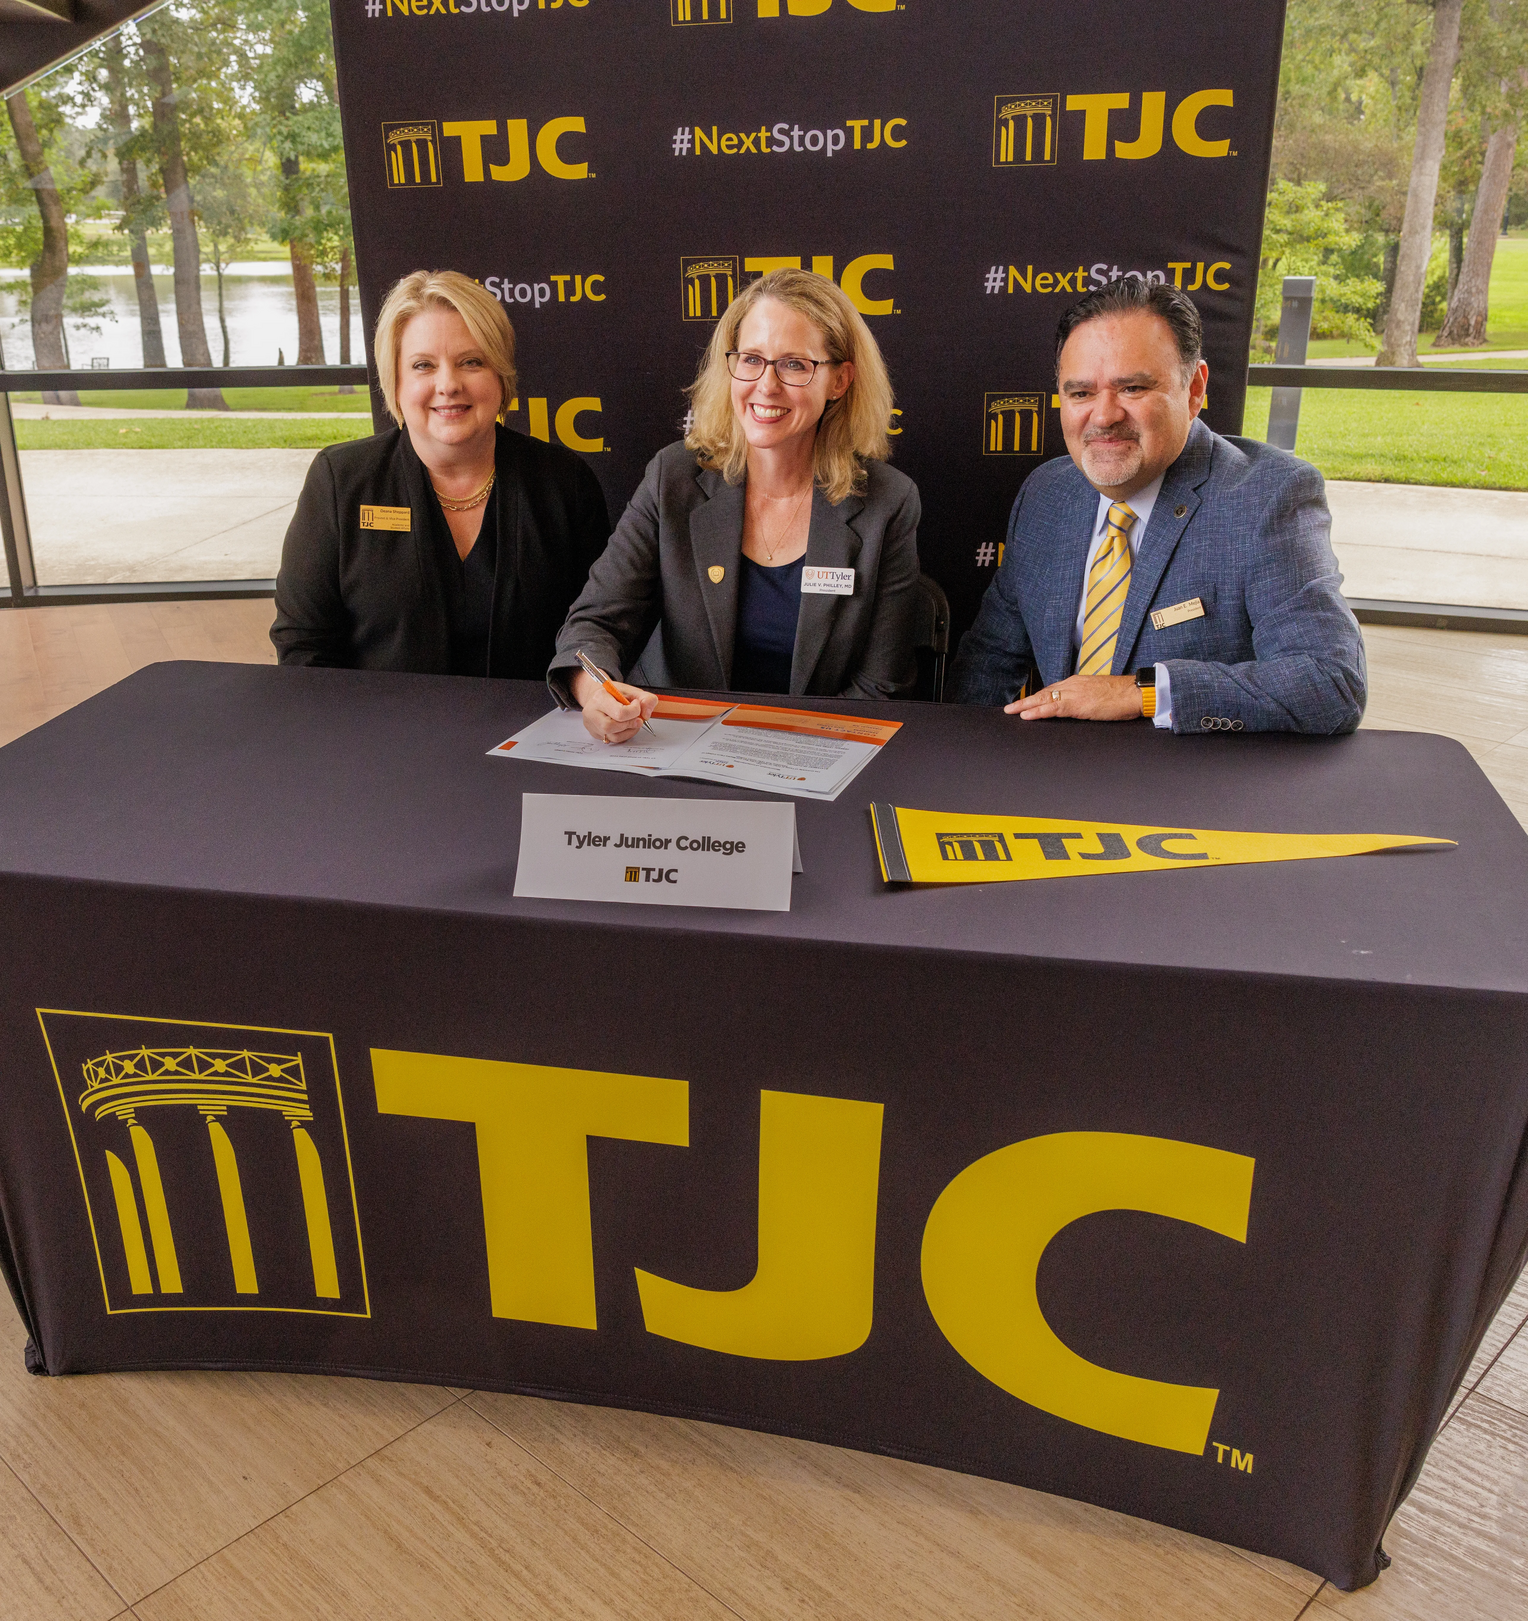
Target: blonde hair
<point x="443" y="289"/>
<point x="852" y="429"/>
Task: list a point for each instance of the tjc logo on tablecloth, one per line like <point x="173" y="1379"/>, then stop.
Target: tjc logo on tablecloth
<point x="171" y="1122"/>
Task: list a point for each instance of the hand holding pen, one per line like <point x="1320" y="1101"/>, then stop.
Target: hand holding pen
<point x="600" y="720"/>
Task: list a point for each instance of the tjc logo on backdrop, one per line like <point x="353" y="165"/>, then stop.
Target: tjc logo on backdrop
<point x="1014" y="424"/>
<point x="692" y="13"/>
<point x="1026" y="130"/>
<point x="709" y="282"/>
<point x="414" y="156"/>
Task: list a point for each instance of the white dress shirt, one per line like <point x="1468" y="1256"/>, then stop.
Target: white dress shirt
<point x="1140" y="504"/>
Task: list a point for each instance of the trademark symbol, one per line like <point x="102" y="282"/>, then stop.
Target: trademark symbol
<point x="1239" y="1460"/>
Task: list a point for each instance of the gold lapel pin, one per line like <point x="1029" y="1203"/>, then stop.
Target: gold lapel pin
<point x="717" y="573"/>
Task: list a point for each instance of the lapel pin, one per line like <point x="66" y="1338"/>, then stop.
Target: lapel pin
<point x="1179" y="511"/>
<point x="717" y="572"/>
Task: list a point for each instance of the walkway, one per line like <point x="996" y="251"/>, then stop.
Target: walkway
<point x="110" y="516"/>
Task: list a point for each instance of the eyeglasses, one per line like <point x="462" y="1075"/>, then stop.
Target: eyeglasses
<point x="795" y="371"/>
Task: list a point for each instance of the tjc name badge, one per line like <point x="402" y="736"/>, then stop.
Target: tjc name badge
<point x="398" y="519"/>
<point x="827" y="582"/>
<point x="1192" y="609"/>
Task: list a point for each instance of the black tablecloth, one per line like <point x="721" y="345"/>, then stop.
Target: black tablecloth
<point x="223" y="859"/>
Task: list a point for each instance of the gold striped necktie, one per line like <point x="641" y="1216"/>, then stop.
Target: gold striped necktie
<point x="1108" y="583"/>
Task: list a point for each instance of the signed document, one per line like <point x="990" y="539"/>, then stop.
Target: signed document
<point x="801" y="752"/>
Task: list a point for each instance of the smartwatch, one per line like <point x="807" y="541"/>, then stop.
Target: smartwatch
<point x="1146" y="680"/>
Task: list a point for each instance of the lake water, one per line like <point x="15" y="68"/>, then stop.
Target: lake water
<point x="260" y="304"/>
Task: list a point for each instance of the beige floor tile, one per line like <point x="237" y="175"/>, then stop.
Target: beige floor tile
<point x="1505" y="1379"/>
<point x="781" y="1529"/>
<point x="149" y="1472"/>
<point x="43" y="1576"/>
<point x="1460" y="1541"/>
<point x="1503" y="1326"/>
<point x="454" y="1520"/>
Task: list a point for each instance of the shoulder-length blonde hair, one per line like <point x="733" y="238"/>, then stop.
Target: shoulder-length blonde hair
<point x="443" y="289"/>
<point x="852" y="429"/>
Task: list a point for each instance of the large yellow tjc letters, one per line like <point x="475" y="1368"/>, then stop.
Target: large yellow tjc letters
<point x="533" y="1125"/>
<point x="812" y="1294"/>
<point x="982" y="1248"/>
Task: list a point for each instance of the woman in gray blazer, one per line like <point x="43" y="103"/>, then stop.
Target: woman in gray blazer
<point x="773" y="549"/>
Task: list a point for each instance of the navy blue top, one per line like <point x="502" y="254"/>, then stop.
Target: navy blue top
<point x="768" y="605"/>
<point x="469" y="590"/>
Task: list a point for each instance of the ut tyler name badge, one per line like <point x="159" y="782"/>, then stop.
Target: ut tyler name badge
<point x="827" y="582"/>
<point x="400" y="519"/>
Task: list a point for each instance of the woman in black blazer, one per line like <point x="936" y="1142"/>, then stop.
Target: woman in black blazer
<point x="773" y="550"/>
<point x="448" y="545"/>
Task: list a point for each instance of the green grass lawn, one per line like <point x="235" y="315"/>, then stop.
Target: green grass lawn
<point x="305" y="398"/>
<point x="1477" y="441"/>
<point x="1508" y="327"/>
<point x="188" y="433"/>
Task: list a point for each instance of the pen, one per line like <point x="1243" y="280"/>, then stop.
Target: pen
<point x="595" y="672"/>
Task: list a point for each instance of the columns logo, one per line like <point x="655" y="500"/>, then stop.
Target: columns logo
<point x="413" y="153"/>
<point x="691" y="13"/>
<point x="710" y="284"/>
<point x="1014" y="425"/>
<point x="1024" y="130"/>
<point x="214" y="1162"/>
<point x="973" y="847"/>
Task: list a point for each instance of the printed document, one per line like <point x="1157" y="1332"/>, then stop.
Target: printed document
<point x="801" y="752"/>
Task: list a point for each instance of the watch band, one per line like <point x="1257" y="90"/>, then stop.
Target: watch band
<point x="1146" y="684"/>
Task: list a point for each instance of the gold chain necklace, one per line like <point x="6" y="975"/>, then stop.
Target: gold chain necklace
<point x="471" y="501"/>
<point x="769" y="551"/>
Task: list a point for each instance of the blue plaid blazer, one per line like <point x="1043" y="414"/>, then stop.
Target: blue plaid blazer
<point x="1240" y="525"/>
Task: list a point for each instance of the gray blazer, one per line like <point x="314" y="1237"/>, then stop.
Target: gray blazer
<point x="1239" y="525"/>
<point x="653" y="614"/>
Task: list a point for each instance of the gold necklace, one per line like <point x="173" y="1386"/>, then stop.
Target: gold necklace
<point x="769" y="551"/>
<point x="471" y="501"/>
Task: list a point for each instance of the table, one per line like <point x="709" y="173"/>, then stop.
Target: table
<point x="293" y="1081"/>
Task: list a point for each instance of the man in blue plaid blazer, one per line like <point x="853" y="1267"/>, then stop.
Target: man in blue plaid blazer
<point x="1163" y="570"/>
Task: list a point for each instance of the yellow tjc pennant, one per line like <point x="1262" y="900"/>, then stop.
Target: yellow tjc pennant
<point x="942" y="847"/>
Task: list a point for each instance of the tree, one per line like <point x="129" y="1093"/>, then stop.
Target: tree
<point x="1306" y="234"/>
<point x="179" y="203"/>
<point x="1399" y="345"/>
<point x="294" y="83"/>
<point x="49" y="269"/>
<point x="233" y="202"/>
<point x="1497" y="82"/>
<point x="139" y="211"/>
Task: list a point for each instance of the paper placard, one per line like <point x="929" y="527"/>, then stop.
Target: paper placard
<point x="827" y="582"/>
<point x="657" y="852"/>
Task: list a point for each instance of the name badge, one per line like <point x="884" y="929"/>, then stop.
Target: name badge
<point x="400" y="519"/>
<point x="658" y="852"/>
<point x="827" y="582"/>
<point x="1175" y="615"/>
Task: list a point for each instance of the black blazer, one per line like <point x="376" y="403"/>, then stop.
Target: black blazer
<point x="375" y="599"/>
<point x="660" y="608"/>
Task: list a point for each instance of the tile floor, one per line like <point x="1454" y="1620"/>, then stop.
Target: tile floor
<point x="200" y="1497"/>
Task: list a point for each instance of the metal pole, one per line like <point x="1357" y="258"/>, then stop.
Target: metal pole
<point x="1294" y="340"/>
<point x="13" y="511"/>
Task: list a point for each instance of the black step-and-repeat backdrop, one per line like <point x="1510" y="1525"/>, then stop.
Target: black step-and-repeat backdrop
<point x="614" y="170"/>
